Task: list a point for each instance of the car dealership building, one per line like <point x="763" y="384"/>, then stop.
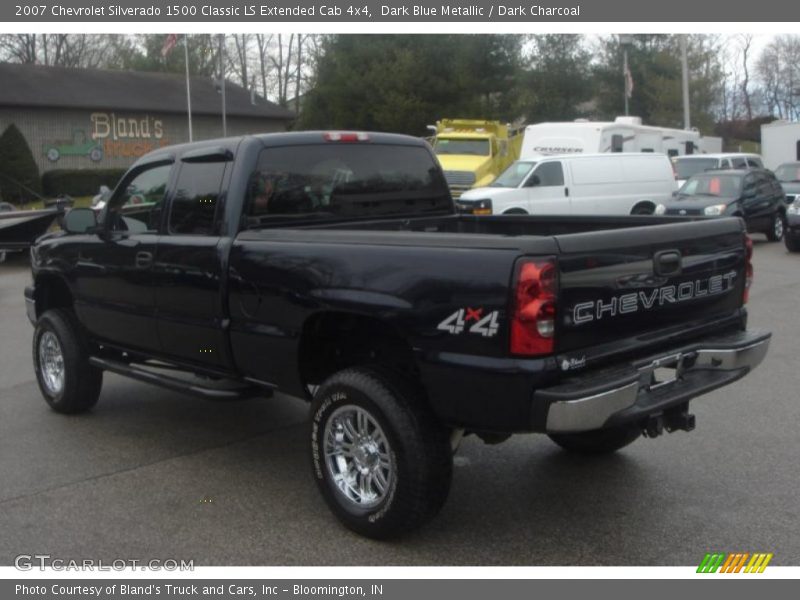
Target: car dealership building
<point x="92" y="118"/>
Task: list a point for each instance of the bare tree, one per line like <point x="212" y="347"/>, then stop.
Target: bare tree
<point x="263" y="42"/>
<point x="778" y="69"/>
<point x="19" y="48"/>
<point x="241" y="43"/>
<point x="746" y="40"/>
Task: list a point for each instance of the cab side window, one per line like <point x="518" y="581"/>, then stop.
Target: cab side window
<point x="547" y="174"/>
<point x="193" y="210"/>
<point x="739" y="163"/>
<point x="137" y="207"/>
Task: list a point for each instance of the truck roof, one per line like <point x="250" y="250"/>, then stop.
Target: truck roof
<point x="466" y="135"/>
<point x="293" y="138"/>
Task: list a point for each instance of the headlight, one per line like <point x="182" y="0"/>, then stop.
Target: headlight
<point x="794" y="209"/>
<point x="482" y="207"/>
<point x="475" y="207"/>
<point x="660" y="209"/>
<point x="715" y="210"/>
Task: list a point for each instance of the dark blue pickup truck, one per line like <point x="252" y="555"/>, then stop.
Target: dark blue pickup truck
<point x="333" y="266"/>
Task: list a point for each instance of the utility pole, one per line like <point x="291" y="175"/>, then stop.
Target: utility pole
<point x="687" y="121"/>
<point x="626" y="40"/>
<point x="222" y="83"/>
<point x="188" y="87"/>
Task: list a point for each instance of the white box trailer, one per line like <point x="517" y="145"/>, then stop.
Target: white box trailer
<point x="710" y="145"/>
<point x="624" y="134"/>
<point x="780" y="143"/>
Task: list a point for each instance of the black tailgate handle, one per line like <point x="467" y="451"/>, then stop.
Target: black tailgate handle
<point x="667" y="263"/>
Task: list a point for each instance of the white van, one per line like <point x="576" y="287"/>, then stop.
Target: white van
<point x="582" y="184"/>
<point x="686" y="166"/>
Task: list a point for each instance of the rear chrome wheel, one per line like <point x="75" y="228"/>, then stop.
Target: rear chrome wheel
<point x="381" y="459"/>
<point x="358" y="456"/>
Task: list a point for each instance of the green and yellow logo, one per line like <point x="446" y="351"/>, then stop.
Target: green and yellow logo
<point x="735" y="562"/>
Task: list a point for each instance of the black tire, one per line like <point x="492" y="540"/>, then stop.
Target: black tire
<point x="777" y="229"/>
<point x="792" y="242"/>
<point x="81" y="382"/>
<point x="417" y="482"/>
<point x="599" y="441"/>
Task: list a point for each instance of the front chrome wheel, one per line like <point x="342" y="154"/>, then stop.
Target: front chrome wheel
<point x="358" y="456"/>
<point x="51" y="362"/>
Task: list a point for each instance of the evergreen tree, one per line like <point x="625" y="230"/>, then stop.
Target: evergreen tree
<point x="19" y="175"/>
<point x="402" y="83"/>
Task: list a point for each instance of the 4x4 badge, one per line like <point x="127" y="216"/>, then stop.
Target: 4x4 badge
<point x="457" y="322"/>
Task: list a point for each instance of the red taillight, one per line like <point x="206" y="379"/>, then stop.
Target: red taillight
<point x="748" y="267"/>
<point x="533" y="317"/>
<point x="345" y="136"/>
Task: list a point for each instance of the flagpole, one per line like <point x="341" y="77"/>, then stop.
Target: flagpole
<point x="188" y="87"/>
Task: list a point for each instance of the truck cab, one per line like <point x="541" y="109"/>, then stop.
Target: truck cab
<point x="474" y="153"/>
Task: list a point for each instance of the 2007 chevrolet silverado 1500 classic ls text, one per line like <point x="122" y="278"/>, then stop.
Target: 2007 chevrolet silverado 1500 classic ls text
<point x="333" y="266"/>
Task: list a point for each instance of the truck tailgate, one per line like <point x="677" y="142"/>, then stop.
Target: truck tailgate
<point x="645" y="285"/>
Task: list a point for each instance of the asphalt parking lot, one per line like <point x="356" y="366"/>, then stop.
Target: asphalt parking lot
<point x="153" y="474"/>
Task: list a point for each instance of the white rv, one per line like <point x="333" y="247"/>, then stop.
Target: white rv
<point x="780" y="143"/>
<point x="624" y="134"/>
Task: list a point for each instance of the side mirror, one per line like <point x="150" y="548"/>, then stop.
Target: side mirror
<point x="80" y="220"/>
<point x="534" y="181"/>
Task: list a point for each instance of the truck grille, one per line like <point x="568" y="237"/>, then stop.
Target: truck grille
<point x="459" y="178"/>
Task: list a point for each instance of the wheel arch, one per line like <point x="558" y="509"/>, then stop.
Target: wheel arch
<point x="647" y="205"/>
<point x="333" y="340"/>
<point x="51" y="291"/>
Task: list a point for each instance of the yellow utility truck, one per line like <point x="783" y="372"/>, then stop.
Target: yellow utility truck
<point x="472" y="152"/>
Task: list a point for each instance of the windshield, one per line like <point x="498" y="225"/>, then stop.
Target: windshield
<point x="345" y="180"/>
<point x="789" y="173"/>
<point x="514" y="175"/>
<point x="686" y="167"/>
<point x="479" y="147"/>
<point x="726" y="186"/>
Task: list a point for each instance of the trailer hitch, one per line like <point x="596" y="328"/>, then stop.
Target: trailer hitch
<point x="671" y="420"/>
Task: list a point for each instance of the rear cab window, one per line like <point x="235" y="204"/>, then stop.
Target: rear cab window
<point x="344" y="180"/>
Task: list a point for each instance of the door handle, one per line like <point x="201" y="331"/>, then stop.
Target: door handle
<point x="143" y="260"/>
<point x="566" y="191"/>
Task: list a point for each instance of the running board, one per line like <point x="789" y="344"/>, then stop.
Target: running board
<point x="176" y="384"/>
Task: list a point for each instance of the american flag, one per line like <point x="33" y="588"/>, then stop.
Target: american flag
<point x="628" y="82"/>
<point x="169" y="44"/>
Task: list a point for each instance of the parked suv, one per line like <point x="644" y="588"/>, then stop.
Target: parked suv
<point x="756" y="196"/>
<point x="686" y="166"/>
<point x="788" y="174"/>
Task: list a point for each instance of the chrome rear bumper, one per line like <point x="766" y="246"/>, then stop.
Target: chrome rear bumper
<point x="630" y="392"/>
